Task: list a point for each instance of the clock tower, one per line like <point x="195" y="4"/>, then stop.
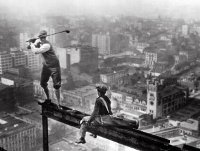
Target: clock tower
<point x="154" y="104"/>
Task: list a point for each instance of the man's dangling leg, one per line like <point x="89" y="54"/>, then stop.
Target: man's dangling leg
<point x="57" y="93"/>
<point x="46" y="91"/>
<point x="82" y="133"/>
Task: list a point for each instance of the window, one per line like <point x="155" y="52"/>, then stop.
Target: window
<point x="152" y="103"/>
<point x="151" y="94"/>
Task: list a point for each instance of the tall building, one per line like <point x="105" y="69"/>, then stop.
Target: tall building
<point x="7" y="99"/>
<point x="5" y="61"/>
<point x="16" y="135"/>
<point x="33" y="60"/>
<point x="88" y="59"/>
<point x="19" y="58"/>
<point x="23" y="37"/>
<point x="68" y="56"/>
<point x="185" y="30"/>
<point x="102" y="42"/>
<point x="151" y="57"/>
<point x="154" y="55"/>
<point x="163" y="98"/>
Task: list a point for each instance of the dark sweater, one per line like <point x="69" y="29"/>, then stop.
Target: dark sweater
<point x="50" y="58"/>
<point x="100" y="109"/>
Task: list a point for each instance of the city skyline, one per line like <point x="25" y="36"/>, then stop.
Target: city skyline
<point x="146" y="56"/>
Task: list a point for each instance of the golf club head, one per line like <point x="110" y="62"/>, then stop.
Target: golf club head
<point x="67" y="31"/>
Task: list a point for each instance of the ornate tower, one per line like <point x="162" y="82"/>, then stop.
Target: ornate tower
<point x="154" y="104"/>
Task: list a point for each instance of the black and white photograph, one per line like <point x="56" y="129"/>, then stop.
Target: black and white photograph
<point x="99" y="75"/>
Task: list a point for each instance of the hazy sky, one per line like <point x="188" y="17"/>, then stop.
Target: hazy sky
<point x="146" y="8"/>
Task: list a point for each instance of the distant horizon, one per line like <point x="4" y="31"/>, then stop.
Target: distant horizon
<point x="183" y="9"/>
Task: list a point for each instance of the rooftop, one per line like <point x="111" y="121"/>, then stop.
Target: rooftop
<point x="190" y="111"/>
<point x="11" y="124"/>
<point x="190" y="124"/>
<point x="172" y="89"/>
<point x="82" y="91"/>
<point x="179" y="140"/>
<point x="14" y="78"/>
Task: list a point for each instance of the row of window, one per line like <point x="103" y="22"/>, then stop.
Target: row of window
<point x="15" y="142"/>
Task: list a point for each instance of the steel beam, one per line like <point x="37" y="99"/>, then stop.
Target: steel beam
<point x="130" y="137"/>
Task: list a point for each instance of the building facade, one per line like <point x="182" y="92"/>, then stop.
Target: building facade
<point x="82" y="98"/>
<point x="88" y="59"/>
<point x="128" y="103"/>
<point x="5" y="61"/>
<point x="191" y="55"/>
<point x="16" y="135"/>
<point x="23" y="88"/>
<point x="23" y="37"/>
<point x="163" y="99"/>
<point x="114" y="77"/>
<point x="151" y="58"/>
<point x="19" y="58"/>
<point x="102" y="42"/>
<point x="185" y="30"/>
<point x="68" y="56"/>
<point x="33" y="61"/>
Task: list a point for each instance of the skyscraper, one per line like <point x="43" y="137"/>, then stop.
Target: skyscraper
<point x="68" y="56"/>
<point x="5" y="61"/>
<point x="33" y="60"/>
<point x="85" y="56"/>
<point x="88" y="59"/>
<point x="23" y="37"/>
<point x="185" y="30"/>
<point x="19" y="58"/>
<point x="102" y="42"/>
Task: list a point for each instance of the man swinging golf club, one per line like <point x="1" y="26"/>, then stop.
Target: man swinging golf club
<point x="51" y="65"/>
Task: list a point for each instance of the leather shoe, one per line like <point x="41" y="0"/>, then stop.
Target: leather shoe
<point x="81" y="141"/>
<point x="93" y="135"/>
<point x="47" y="101"/>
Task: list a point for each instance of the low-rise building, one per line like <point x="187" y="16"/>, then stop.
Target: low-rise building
<point x="191" y="55"/>
<point x="141" y="46"/>
<point x="128" y="104"/>
<point x="23" y="88"/>
<point x="190" y="127"/>
<point x="113" y="78"/>
<point x="16" y="135"/>
<point x="7" y="98"/>
<point x="80" y="98"/>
